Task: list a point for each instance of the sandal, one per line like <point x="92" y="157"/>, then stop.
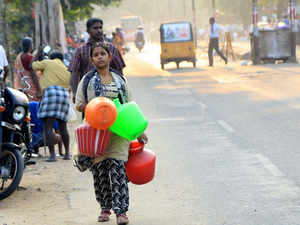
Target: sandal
<point x="104" y="215"/>
<point x="122" y="219"/>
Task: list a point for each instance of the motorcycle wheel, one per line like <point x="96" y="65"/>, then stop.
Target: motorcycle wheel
<point x="11" y="171"/>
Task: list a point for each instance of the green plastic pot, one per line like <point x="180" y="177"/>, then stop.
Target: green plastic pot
<point x="130" y="122"/>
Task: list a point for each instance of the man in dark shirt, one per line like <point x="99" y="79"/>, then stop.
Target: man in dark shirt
<point x="81" y="63"/>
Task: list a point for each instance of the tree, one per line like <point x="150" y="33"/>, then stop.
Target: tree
<point x="18" y="20"/>
<point x="15" y="23"/>
<point x="77" y="9"/>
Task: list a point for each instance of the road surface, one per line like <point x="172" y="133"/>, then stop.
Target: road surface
<point x="226" y="140"/>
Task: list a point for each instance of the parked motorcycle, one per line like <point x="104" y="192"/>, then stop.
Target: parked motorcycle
<point x="15" y="137"/>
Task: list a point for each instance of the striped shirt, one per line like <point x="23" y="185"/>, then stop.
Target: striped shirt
<point x="81" y="63"/>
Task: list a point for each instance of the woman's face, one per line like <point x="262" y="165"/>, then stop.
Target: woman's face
<point x="100" y="58"/>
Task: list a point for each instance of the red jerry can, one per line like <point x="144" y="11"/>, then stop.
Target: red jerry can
<point x="140" y="167"/>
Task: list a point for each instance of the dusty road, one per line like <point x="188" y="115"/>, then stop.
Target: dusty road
<point x="226" y="140"/>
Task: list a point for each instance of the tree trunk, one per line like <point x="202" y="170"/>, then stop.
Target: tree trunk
<point x="53" y="16"/>
<point x="50" y="25"/>
<point x="6" y="41"/>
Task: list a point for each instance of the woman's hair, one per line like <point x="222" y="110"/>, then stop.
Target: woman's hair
<point x="57" y="55"/>
<point x="103" y="45"/>
<point x="26" y="44"/>
<point x="92" y="21"/>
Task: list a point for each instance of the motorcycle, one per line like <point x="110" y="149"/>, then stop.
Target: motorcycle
<point x="15" y="136"/>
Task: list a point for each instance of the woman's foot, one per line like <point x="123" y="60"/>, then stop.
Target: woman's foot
<point x="122" y="219"/>
<point x="104" y="216"/>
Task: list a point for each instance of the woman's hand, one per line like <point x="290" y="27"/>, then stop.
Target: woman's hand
<point x="143" y="138"/>
<point x="81" y="107"/>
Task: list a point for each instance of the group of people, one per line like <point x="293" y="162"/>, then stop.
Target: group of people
<point x="96" y="70"/>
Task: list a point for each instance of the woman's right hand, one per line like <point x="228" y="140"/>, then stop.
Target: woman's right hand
<point x="81" y="107"/>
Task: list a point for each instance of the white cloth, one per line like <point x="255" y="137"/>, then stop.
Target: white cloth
<point x="215" y="32"/>
<point x="3" y="58"/>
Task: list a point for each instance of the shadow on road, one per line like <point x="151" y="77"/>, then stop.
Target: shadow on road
<point x="184" y="70"/>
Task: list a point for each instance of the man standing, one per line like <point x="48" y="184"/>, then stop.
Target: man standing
<point x="214" y="42"/>
<point x="3" y="61"/>
<point x="81" y="63"/>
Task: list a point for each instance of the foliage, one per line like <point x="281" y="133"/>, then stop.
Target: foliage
<point x="20" y="21"/>
<point x="77" y="9"/>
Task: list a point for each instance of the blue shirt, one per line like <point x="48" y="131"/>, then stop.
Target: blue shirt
<point x="215" y="32"/>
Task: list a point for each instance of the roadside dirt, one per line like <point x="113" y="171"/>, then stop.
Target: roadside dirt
<point x="43" y="196"/>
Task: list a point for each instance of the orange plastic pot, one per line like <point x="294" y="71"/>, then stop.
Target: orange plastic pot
<point x="100" y="113"/>
<point x="140" y="167"/>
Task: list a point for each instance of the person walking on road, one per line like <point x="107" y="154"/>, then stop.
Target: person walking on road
<point x="109" y="171"/>
<point x="214" y="42"/>
<point x="3" y="61"/>
<point x="81" y="63"/>
<point x="55" y="102"/>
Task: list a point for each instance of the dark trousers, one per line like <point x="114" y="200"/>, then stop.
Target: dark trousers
<point x="214" y="45"/>
<point x="111" y="188"/>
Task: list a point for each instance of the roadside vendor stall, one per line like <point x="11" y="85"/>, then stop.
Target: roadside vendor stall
<point x="276" y="42"/>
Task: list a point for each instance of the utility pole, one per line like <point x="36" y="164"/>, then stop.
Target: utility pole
<point x="214" y="8"/>
<point x="255" y="43"/>
<point x="170" y="9"/>
<point x="184" y="9"/>
<point x="293" y="29"/>
<point x="194" y="22"/>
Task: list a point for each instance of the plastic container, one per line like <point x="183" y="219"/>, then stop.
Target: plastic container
<point x="140" y="167"/>
<point x="91" y="142"/>
<point x="130" y="122"/>
<point x="101" y="113"/>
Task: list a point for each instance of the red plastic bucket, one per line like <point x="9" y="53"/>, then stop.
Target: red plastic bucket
<point x="91" y="142"/>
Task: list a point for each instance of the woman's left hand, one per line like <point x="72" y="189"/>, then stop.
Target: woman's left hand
<point x="143" y="138"/>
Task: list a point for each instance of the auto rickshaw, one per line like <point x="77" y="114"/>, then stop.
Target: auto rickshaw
<point x="177" y="43"/>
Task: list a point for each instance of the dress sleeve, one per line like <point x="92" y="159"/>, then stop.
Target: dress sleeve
<point x="74" y="68"/>
<point x="75" y="62"/>
<point x="117" y="61"/>
<point x="39" y="65"/>
<point x="128" y="91"/>
<point x="80" y="99"/>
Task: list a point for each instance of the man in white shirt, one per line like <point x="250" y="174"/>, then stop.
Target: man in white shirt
<point x="214" y="42"/>
<point x="3" y="61"/>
